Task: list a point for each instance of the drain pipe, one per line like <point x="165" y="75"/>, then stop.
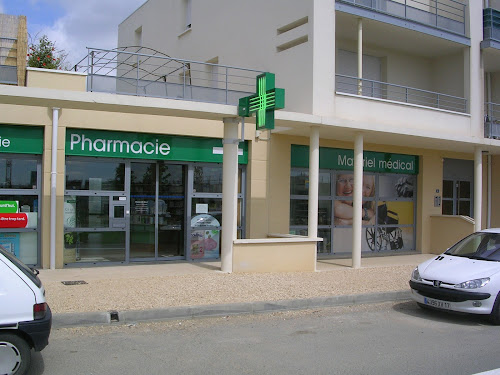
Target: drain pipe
<point x="488" y="218"/>
<point x="53" y="190"/>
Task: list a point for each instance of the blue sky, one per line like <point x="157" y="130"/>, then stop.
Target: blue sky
<point x="73" y="24"/>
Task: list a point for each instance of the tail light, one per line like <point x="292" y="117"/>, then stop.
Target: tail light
<point x="39" y="310"/>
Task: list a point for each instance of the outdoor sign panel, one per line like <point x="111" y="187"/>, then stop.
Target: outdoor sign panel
<point x="341" y="159"/>
<point x="21" y="139"/>
<point x="99" y="143"/>
<point x="267" y="99"/>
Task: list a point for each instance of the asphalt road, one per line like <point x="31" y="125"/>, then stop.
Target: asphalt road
<point x="390" y="338"/>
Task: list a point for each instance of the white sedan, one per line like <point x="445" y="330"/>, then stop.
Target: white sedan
<point x="465" y="278"/>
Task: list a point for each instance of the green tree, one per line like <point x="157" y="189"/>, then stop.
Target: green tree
<point x="43" y="54"/>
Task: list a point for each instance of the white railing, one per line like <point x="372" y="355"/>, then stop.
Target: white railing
<point x="447" y="15"/>
<point x="404" y="94"/>
<point x="142" y="71"/>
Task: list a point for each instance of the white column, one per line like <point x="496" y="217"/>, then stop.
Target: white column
<point x="360" y="56"/>
<point x="478" y="187"/>
<point x="312" y="219"/>
<point x="357" y="198"/>
<point x="229" y="192"/>
<point x="323" y="57"/>
<point x="53" y="188"/>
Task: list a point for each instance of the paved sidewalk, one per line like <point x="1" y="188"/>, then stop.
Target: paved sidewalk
<point x="179" y="290"/>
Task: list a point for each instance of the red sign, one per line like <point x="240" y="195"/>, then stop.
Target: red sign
<point x="13" y="220"/>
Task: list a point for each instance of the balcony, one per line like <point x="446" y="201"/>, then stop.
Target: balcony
<point x="491" y="28"/>
<point x="492" y="120"/>
<point x="141" y="71"/>
<point x="445" y="15"/>
<point x="396" y="93"/>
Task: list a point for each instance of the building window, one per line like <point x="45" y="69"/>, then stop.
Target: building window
<point x="388" y="217"/>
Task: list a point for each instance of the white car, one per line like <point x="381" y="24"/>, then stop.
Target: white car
<point x="25" y="317"/>
<point x="465" y="278"/>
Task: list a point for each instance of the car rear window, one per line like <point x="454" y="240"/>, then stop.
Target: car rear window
<point x="22" y="267"/>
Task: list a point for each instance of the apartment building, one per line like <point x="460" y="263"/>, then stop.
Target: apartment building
<point x="388" y="142"/>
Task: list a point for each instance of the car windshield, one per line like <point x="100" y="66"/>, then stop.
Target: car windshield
<point x="483" y="246"/>
<point x="23" y="267"/>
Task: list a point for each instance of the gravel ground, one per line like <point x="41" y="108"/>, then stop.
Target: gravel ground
<point x="150" y="292"/>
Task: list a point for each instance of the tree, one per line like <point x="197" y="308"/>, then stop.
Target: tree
<point x="45" y="55"/>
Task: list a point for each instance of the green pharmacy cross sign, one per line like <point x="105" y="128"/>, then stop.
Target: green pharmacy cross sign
<point x="267" y="99"/>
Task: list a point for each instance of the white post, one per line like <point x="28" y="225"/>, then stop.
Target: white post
<point x="478" y="187"/>
<point x="360" y="56"/>
<point x="53" y="188"/>
<point x="357" y="201"/>
<point x="229" y="192"/>
<point x="312" y="220"/>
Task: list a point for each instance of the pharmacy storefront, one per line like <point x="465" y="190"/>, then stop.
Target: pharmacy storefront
<point x="144" y="197"/>
<point x="21" y="149"/>
<point x="389" y="199"/>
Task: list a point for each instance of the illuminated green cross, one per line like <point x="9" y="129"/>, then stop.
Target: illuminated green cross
<point x="267" y="99"/>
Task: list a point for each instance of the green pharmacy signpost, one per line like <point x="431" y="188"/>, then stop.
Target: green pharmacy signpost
<point x="267" y="99"/>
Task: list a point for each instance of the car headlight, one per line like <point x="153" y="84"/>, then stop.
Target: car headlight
<point x="415" y="275"/>
<point x="473" y="284"/>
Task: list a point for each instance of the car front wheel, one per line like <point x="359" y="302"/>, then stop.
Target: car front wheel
<point x="495" y="312"/>
<point x="15" y="354"/>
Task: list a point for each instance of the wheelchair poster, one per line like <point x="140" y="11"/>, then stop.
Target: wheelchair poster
<point x="388" y="211"/>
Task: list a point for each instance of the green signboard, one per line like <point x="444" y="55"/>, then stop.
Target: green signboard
<point x="9" y="207"/>
<point x="21" y="139"/>
<point x="147" y="146"/>
<point x="340" y="159"/>
<point x="264" y="103"/>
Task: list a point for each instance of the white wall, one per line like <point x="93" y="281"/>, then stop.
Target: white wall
<point x="246" y="35"/>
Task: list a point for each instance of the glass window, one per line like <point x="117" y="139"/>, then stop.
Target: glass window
<point x="211" y="208"/>
<point x="27" y="203"/>
<point x="299" y="183"/>
<point x="143" y="179"/>
<point x="207" y="179"/>
<point x="86" y="212"/>
<point x="18" y="173"/>
<point x="95" y="175"/>
<point x="94" y="247"/>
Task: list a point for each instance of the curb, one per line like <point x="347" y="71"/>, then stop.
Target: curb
<point x="64" y="320"/>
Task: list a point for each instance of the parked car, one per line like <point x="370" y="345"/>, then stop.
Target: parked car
<point x="465" y="278"/>
<point x="25" y="317"/>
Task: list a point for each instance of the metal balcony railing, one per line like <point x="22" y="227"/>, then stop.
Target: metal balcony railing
<point x="446" y="15"/>
<point x="142" y="71"/>
<point x="389" y="91"/>
<point x="491" y="24"/>
<point x="492" y="120"/>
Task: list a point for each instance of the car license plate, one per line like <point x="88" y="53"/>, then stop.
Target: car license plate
<point x="437" y="303"/>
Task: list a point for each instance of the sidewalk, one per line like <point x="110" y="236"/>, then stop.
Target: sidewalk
<point x="178" y="290"/>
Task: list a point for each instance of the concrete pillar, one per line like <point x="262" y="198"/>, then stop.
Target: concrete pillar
<point x="312" y="220"/>
<point x="478" y="187"/>
<point x="323" y="58"/>
<point x="357" y="198"/>
<point x="229" y="192"/>
<point x="476" y="69"/>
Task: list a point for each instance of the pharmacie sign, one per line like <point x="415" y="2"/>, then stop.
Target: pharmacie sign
<point x="21" y="139"/>
<point x="99" y="143"/>
<point x="341" y="159"/>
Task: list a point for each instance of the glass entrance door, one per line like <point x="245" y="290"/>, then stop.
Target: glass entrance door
<point x="157" y="211"/>
<point x="142" y="210"/>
